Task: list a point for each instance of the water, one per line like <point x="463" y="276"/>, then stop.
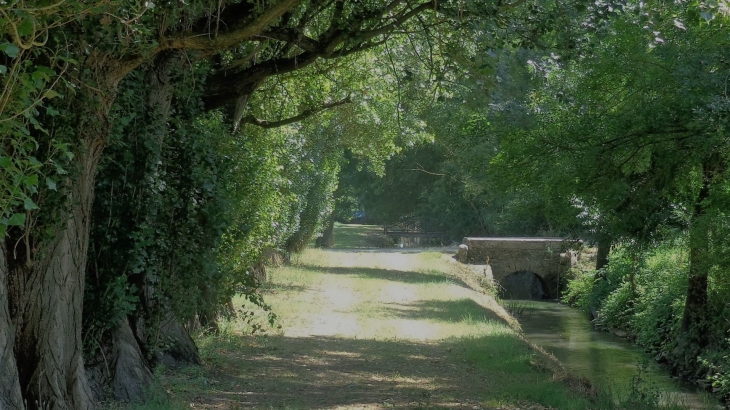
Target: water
<point x="603" y="358"/>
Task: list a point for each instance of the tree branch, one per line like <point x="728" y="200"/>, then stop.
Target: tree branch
<point x="250" y="119"/>
<point x="367" y="35"/>
<point x="231" y="37"/>
<point x="290" y="35"/>
<point x="362" y="47"/>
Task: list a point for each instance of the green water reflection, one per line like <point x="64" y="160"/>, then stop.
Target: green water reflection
<point x="604" y="358"/>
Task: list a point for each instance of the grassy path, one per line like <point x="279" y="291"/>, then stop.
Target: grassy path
<point x="372" y="330"/>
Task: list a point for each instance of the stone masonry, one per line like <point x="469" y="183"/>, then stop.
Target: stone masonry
<point x="545" y="257"/>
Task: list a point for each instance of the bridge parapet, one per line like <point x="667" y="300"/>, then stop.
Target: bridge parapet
<point x="545" y="257"/>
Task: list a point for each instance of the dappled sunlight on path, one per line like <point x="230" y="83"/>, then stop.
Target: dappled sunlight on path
<point x="373" y="331"/>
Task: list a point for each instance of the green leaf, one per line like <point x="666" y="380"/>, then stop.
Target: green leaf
<point x="25" y="28"/>
<point x="31" y="180"/>
<point x="51" y="184"/>
<point x="17" y="220"/>
<point x="51" y="94"/>
<point x="29" y="205"/>
<point x="10" y="49"/>
<point x="5" y="162"/>
<point x="3" y="69"/>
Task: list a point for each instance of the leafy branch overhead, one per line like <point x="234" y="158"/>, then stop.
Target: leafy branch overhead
<point x="341" y="28"/>
<point x="250" y="119"/>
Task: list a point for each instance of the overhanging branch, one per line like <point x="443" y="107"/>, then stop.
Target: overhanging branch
<point x="250" y="119"/>
<point x="208" y="42"/>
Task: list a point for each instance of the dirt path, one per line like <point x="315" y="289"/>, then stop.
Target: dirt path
<point x="369" y="331"/>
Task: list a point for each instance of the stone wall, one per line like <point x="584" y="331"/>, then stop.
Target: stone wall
<point x="544" y="257"/>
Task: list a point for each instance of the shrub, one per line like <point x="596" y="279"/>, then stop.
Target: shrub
<point x="660" y="301"/>
<point x="618" y="308"/>
<point x="718" y="364"/>
<point x="579" y="289"/>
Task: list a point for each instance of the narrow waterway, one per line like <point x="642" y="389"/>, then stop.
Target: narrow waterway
<point x="604" y="358"/>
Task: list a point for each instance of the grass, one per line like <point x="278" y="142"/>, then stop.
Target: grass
<point x="352" y="236"/>
<point x="373" y="330"/>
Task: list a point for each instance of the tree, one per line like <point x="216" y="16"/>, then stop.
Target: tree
<point x="110" y="41"/>
<point x="635" y="125"/>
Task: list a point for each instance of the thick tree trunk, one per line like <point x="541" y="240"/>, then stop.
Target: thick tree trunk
<point x="695" y="306"/>
<point x="693" y="332"/>
<point x="181" y="348"/>
<point x="327" y="240"/>
<point x="131" y="374"/>
<point x="46" y="300"/>
<point x="10" y="397"/>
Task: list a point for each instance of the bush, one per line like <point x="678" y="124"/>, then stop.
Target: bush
<point x="617" y="309"/>
<point x="660" y="302"/>
<point x="606" y="290"/>
<point x="579" y="290"/>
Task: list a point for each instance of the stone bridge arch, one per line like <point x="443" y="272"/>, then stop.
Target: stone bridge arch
<point x="546" y="258"/>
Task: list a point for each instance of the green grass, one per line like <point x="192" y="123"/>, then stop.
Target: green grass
<point x="353" y="236"/>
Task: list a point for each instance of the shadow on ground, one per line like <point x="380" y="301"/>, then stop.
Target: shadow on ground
<point x="330" y="372"/>
<point x="447" y="311"/>
<point x="382" y="274"/>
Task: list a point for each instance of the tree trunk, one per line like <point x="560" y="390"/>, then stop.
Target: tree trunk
<point x="181" y="348"/>
<point x="46" y="298"/>
<point x="695" y="306"/>
<point x="327" y="240"/>
<point x="693" y="337"/>
<point x="131" y="375"/>
<point x="10" y="397"/>
<point x="604" y="248"/>
<point x="693" y="332"/>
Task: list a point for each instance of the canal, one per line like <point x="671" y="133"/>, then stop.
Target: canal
<point x="605" y="359"/>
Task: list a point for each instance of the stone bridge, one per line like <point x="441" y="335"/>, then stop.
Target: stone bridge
<point x="525" y="268"/>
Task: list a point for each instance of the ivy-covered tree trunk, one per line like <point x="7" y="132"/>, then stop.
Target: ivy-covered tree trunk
<point x="695" y="307"/>
<point x="694" y="337"/>
<point x="46" y="293"/>
<point x="151" y="325"/>
<point x="10" y="397"/>
<point x="160" y="78"/>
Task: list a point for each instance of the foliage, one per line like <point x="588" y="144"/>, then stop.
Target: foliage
<point x="719" y="365"/>
<point x="31" y="79"/>
<point x="579" y="290"/>
<point x="652" y="313"/>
